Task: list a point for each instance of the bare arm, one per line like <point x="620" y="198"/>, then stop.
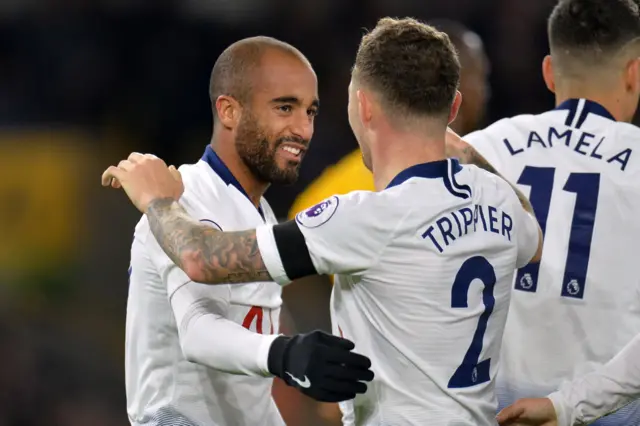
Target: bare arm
<point x="207" y="255"/>
<point x="471" y="156"/>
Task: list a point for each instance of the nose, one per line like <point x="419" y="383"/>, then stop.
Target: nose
<point x="302" y="126"/>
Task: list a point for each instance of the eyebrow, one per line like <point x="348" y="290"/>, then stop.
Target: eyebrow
<point x="294" y="100"/>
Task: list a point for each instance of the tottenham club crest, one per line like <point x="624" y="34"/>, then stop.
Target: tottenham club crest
<point x="318" y="214"/>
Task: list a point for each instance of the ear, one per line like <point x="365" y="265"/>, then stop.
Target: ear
<point x="631" y="76"/>
<point x="455" y="107"/>
<point x="547" y="73"/>
<point x="228" y="111"/>
<point x="364" y="108"/>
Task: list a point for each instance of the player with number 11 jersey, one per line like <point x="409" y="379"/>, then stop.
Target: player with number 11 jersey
<point x="579" y="165"/>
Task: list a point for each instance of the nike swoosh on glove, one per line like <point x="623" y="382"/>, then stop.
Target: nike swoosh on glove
<point x="320" y="365"/>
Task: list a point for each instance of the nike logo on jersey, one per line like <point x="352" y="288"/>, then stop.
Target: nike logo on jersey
<point x="306" y="383"/>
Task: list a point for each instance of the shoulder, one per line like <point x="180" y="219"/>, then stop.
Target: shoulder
<point x="355" y="205"/>
<point x="349" y="174"/>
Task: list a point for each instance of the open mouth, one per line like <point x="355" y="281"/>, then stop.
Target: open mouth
<point x="292" y="151"/>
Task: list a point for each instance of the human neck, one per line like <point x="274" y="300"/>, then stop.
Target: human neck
<point x="399" y="151"/>
<point x="608" y="97"/>
<point x="254" y="187"/>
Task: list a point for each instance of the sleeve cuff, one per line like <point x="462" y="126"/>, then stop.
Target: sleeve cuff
<point x="271" y="255"/>
<point x="262" y="360"/>
<point x="563" y="414"/>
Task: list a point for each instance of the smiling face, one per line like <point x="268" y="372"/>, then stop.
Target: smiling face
<point x="276" y="125"/>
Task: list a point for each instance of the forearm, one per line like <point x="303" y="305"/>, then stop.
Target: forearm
<point x="226" y="346"/>
<point x="472" y="156"/>
<point x="207" y="255"/>
<point x="208" y="338"/>
<point x="604" y="391"/>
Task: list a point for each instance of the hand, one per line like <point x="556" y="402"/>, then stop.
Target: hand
<point x="456" y="147"/>
<point x="320" y="365"/>
<point x="529" y="412"/>
<point x="144" y="178"/>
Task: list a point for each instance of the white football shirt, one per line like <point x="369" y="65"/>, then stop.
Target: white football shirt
<point x="172" y="321"/>
<point x="423" y="275"/>
<point x="602" y="391"/>
<point x="579" y="306"/>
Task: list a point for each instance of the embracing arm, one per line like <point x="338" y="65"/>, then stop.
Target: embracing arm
<point x="206" y="255"/>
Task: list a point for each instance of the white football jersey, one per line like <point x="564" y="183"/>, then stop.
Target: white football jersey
<point x="423" y="275"/>
<point x="579" y="306"/>
<point x="163" y="387"/>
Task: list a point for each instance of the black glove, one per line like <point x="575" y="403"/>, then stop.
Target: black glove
<point x="320" y="365"/>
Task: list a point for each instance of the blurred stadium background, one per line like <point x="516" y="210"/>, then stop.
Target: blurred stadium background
<point x="85" y="82"/>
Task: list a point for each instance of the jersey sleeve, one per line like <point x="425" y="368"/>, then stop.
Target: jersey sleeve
<point x="341" y="235"/>
<point x="601" y="392"/>
<point x="208" y="338"/>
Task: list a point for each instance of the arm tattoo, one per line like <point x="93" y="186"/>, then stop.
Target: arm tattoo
<point x="215" y="257"/>
<point x="473" y="157"/>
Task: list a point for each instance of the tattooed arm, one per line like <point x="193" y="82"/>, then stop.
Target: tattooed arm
<point x="471" y="156"/>
<point x="206" y="255"/>
<point x="467" y="154"/>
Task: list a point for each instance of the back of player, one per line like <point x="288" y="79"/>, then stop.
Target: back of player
<point x="431" y="308"/>
<point x="579" y="166"/>
<point x="580" y="305"/>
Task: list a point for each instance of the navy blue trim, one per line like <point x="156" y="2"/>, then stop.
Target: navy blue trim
<point x="432" y="170"/>
<point x="459" y="190"/>
<point x="443" y="169"/>
<point x="217" y="165"/>
<point x="590" y="107"/>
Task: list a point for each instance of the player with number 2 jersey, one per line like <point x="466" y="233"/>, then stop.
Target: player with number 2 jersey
<point x="423" y="265"/>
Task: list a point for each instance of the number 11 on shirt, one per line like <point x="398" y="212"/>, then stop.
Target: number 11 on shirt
<point x="586" y="187"/>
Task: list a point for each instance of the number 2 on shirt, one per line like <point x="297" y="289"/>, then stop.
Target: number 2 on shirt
<point x="472" y="371"/>
<point x="586" y="186"/>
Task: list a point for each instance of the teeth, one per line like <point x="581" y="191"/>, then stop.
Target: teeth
<point x="294" y="151"/>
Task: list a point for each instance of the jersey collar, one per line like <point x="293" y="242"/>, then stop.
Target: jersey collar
<point x="217" y="165"/>
<point x="431" y="170"/>
<point x="582" y="108"/>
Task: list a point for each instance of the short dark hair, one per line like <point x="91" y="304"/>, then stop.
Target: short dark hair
<point x="231" y="74"/>
<point x="593" y="29"/>
<point x="411" y="65"/>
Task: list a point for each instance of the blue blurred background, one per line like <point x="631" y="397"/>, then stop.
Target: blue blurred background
<point x="85" y="82"/>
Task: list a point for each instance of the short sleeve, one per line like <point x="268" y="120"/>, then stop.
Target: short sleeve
<point x="527" y="235"/>
<point x="341" y="235"/>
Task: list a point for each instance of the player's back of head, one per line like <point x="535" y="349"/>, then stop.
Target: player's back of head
<point x="411" y="67"/>
<point x="586" y="35"/>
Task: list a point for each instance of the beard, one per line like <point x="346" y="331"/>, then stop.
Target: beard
<point x="258" y="151"/>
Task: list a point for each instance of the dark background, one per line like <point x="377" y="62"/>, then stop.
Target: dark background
<point x="84" y="83"/>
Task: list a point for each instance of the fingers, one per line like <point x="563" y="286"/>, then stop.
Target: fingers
<point x="112" y="173"/>
<point x="341" y="386"/>
<point x="348" y="359"/>
<point x="335" y="341"/>
<point x="136" y="157"/>
<point x="508" y="415"/>
<point x="340" y="372"/>
<point x="175" y="173"/>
